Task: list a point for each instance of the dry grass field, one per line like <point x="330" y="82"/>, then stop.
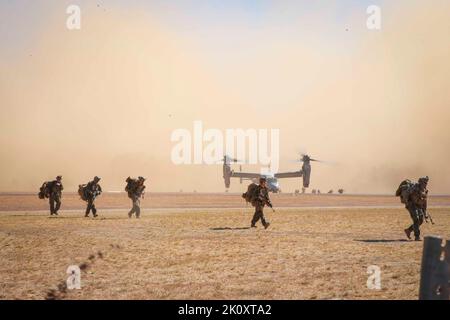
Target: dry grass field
<point x="71" y="201"/>
<point x="200" y="253"/>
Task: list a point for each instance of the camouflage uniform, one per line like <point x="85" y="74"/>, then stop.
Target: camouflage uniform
<point x="135" y="195"/>
<point x="262" y="199"/>
<point x="93" y="189"/>
<point x="54" y="198"/>
<point x="417" y="207"/>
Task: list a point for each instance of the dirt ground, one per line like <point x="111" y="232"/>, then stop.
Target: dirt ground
<point x="199" y="253"/>
<point x="71" y="201"/>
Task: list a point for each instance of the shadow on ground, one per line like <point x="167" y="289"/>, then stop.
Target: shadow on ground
<point x="381" y="240"/>
<point x="228" y="228"/>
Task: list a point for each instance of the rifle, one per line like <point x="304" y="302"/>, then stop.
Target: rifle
<point x="139" y="191"/>
<point x="95" y="194"/>
<point x="428" y="217"/>
<point x="270" y="205"/>
<point x="263" y="199"/>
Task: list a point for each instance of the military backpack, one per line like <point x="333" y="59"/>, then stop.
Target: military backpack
<point x="131" y="184"/>
<point x="82" y="192"/>
<point x="44" y="190"/>
<point x="252" y="194"/>
<point x="404" y="190"/>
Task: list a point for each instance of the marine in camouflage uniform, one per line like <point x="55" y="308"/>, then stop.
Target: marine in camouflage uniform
<point x="262" y="199"/>
<point x="55" y="193"/>
<point x="135" y="194"/>
<point x="416" y="205"/>
<point x="92" y="190"/>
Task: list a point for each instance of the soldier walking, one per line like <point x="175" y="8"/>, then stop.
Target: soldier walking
<point x="55" y="189"/>
<point x="92" y="190"/>
<point x="416" y="204"/>
<point x="135" y="190"/>
<point x="261" y="199"/>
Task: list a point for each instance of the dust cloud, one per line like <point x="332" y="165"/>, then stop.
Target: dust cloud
<point x="104" y="100"/>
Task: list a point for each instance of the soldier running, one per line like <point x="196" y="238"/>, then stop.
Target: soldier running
<point x="135" y="189"/>
<point x="92" y="190"/>
<point x="261" y="199"/>
<point x="416" y="204"/>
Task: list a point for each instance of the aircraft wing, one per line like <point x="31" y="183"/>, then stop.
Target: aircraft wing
<point x="294" y="174"/>
<point x="247" y="175"/>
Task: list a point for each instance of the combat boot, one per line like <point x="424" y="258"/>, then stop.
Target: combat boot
<point x="408" y="233"/>
<point x="266" y="225"/>
<point x="417" y="239"/>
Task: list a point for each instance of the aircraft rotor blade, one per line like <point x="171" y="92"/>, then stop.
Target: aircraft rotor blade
<point x="227" y="159"/>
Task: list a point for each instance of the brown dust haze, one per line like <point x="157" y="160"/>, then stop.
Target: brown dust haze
<point x="105" y="99"/>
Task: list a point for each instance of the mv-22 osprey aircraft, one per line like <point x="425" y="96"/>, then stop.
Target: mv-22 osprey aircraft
<point x="272" y="178"/>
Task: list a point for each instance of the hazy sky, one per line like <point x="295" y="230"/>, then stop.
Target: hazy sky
<point x="105" y="99"/>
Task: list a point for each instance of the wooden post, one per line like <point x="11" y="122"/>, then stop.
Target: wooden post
<point x="435" y="273"/>
<point x="446" y="270"/>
